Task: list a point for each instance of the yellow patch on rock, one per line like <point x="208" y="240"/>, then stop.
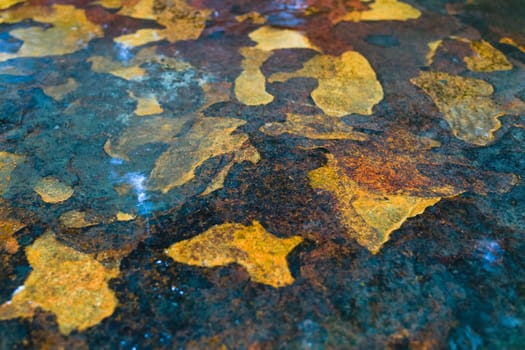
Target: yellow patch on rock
<point x="510" y="41"/>
<point x="70" y="31"/>
<point x="192" y="139"/>
<point x="8" y="227"/>
<point x="208" y="138"/>
<point x="58" y="92"/>
<point x="131" y="70"/>
<point x="8" y="163"/>
<point x="247" y="153"/>
<point x="4" y="4"/>
<point x="347" y="83"/>
<point x="70" y="284"/>
<point x="369" y="217"/>
<point x="315" y="127"/>
<point x="254" y="17"/>
<point x="262" y="254"/>
<point x="125" y="216"/>
<point x="151" y="130"/>
<point x="102" y="64"/>
<point x="141" y="37"/>
<point x="486" y="57"/>
<point x="146" y="105"/>
<point x="51" y="190"/>
<point x="383" y="10"/>
<point x="78" y="219"/>
<point x="466" y="105"/>
<point x="181" y="21"/>
<point x="432" y="49"/>
<point x="109" y="4"/>
<point x="270" y="39"/>
<point x="250" y="85"/>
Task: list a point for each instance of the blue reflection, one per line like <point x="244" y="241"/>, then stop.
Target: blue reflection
<point x="123" y="52"/>
<point x="490" y="253"/>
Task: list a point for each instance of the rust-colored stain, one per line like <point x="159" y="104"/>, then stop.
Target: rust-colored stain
<point x="370" y="216"/>
<point x="65" y="282"/>
<point x="262" y="254"/>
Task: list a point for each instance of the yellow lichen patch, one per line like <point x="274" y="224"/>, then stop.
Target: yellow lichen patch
<point x="152" y="130"/>
<point x="347" y="83"/>
<point x="270" y="39"/>
<point x="59" y="91"/>
<point x="181" y="21"/>
<point x="141" y="37"/>
<point x="131" y="69"/>
<point x="250" y="86"/>
<point x="121" y="216"/>
<point x="383" y="10"/>
<point x="386" y="214"/>
<point x="70" y="31"/>
<point x="101" y="64"/>
<point x="216" y="92"/>
<point x="4" y="4"/>
<point x="8" y="227"/>
<point x="432" y="49"/>
<point x="486" y="57"/>
<point x="129" y="73"/>
<point x="510" y="41"/>
<point x="8" y="163"/>
<point x="369" y="217"/>
<point x="78" y="219"/>
<point x="315" y="127"/>
<point x="466" y="105"/>
<point x="247" y="153"/>
<point x="259" y="252"/>
<point x="109" y="4"/>
<point x="70" y="284"/>
<point x="254" y="17"/>
<point x="208" y="138"/>
<point x="51" y="190"/>
<point x="146" y="105"/>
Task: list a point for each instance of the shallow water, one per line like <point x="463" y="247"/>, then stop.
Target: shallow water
<point x="262" y="175"/>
